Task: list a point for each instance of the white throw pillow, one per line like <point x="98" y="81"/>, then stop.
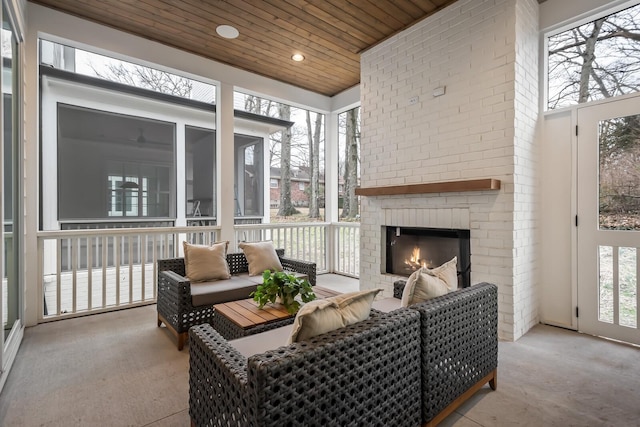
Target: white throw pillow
<point x="324" y="315"/>
<point x="425" y="284"/>
<point x="202" y="263"/>
<point x="261" y="256"/>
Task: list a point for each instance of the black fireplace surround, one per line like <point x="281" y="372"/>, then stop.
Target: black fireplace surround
<point x="410" y="248"/>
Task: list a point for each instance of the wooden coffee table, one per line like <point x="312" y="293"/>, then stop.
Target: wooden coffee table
<point x="237" y="319"/>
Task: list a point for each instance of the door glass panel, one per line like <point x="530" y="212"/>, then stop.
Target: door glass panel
<point x="628" y="300"/>
<point x="619" y="183"/>
<point x="605" y="291"/>
<point x="10" y="294"/>
<point x="619" y="209"/>
<point x="200" y="171"/>
<point x="249" y="182"/>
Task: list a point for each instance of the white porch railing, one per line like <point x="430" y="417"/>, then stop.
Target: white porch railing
<point x="304" y="241"/>
<point x="346" y="248"/>
<point x="91" y="271"/>
<point x="334" y="247"/>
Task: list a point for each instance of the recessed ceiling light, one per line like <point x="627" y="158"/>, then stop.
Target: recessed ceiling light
<point x="227" y="31"/>
<point x="298" y="57"/>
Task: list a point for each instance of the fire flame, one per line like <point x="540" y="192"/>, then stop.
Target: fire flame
<point x="415" y="262"/>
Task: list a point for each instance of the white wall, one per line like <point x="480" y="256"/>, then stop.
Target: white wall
<point x="557" y="297"/>
<point x="526" y="169"/>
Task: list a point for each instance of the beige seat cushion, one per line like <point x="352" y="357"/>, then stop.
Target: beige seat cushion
<point x="219" y="291"/>
<point x="261" y="256"/>
<point x="425" y="284"/>
<point x="386" y="305"/>
<point x="264" y="341"/>
<point x="324" y="315"/>
<point x="203" y="263"/>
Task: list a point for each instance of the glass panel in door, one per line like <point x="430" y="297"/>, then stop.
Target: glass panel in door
<point x="618" y="210"/>
<point x="200" y="174"/>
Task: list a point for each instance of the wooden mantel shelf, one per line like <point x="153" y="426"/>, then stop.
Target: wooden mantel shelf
<point x="431" y="187"/>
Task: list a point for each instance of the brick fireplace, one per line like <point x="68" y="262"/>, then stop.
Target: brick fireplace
<point x="485" y="55"/>
<point x="489" y="261"/>
<point x="482" y="213"/>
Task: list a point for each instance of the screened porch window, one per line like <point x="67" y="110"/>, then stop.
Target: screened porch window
<point x="112" y="166"/>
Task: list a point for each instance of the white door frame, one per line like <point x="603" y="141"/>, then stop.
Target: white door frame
<point x="588" y="237"/>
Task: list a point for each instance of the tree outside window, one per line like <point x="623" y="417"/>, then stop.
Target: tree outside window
<point x="597" y="60"/>
<point x="349" y="164"/>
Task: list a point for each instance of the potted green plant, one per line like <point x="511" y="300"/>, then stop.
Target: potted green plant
<point x="283" y="288"/>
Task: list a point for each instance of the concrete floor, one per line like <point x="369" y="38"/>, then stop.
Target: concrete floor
<point x="120" y="369"/>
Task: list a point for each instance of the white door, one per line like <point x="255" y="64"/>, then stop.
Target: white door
<point x="609" y="219"/>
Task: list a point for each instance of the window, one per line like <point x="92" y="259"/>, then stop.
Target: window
<point x="273" y="183"/>
<point x="124" y="195"/>
<point x="111" y="165"/>
<point x="596" y="60"/>
<point x="300" y="147"/>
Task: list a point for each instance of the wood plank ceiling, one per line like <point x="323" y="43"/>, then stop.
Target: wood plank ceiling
<point x="331" y="34"/>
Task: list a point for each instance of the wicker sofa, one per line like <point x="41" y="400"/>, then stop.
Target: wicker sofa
<point x="366" y="374"/>
<point x="361" y="375"/>
<point x="176" y="306"/>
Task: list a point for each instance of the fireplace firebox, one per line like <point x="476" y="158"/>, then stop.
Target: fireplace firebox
<point x="410" y="248"/>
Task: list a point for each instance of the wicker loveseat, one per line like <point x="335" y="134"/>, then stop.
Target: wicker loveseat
<point x="459" y="348"/>
<point x="176" y="308"/>
<point x="365" y="374"/>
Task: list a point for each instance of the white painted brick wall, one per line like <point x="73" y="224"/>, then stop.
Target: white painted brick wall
<point x="525" y="177"/>
<point x="483" y="127"/>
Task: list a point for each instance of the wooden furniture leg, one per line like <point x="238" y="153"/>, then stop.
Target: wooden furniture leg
<point x="491" y="378"/>
<point x="182" y="338"/>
